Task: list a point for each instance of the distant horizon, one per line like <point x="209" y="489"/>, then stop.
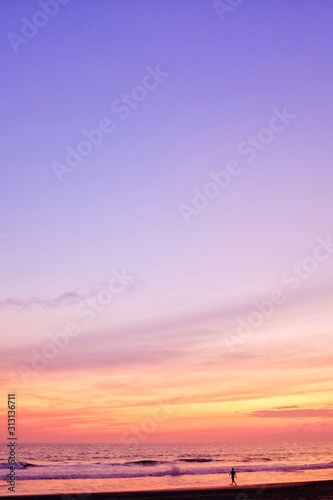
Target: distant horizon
<point x="229" y="443"/>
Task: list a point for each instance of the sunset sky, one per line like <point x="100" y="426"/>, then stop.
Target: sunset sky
<point x="166" y="238"/>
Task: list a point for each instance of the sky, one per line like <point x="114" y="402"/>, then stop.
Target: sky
<point x="166" y="240"/>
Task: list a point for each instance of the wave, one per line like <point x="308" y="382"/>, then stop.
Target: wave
<point x="18" y="465"/>
<point x="195" y="460"/>
<point x="32" y="472"/>
<point x="143" y="462"/>
<point x="256" y="459"/>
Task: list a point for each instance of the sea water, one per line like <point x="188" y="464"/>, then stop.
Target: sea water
<point x="75" y="468"/>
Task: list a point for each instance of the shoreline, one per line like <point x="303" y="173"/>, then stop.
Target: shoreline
<point x="312" y="490"/>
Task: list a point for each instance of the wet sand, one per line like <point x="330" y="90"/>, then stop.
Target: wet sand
<point x="314" y="490"/>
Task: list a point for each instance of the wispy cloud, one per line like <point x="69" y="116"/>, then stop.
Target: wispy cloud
<point x="66" y="299"/>
<point x="69" y="298"/>
<point x="294" y="413"/>
<point x="285" y="407"/>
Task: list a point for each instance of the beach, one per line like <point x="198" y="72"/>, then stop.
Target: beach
<point x="316" y="490"/>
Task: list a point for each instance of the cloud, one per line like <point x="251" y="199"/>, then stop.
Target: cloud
<point x="66" y="299"/>
<point x="47" y="398"/>
<point x="293" y="413"/>
<point x="285" y="407"/>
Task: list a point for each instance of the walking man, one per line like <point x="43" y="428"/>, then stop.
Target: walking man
<point x="233" y="474"/>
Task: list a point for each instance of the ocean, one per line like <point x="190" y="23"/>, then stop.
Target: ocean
<point x="83" y="468"/>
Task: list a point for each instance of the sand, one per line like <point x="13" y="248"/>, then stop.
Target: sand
<point x="319" y="490"/>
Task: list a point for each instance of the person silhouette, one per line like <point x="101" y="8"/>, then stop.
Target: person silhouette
<point x="233" y="474"/>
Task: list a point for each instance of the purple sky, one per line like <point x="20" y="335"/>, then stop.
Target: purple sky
<point x="120" y="208"/>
